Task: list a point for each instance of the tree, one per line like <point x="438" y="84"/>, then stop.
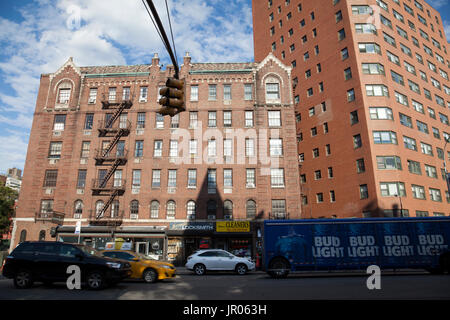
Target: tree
<point x="7" y="198"/>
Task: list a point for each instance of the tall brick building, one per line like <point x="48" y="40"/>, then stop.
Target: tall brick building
<point x="99" y="154"/>
<point x="372" y="99"/>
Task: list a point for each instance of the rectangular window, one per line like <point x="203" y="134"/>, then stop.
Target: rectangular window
<point x="64" y="96"/>
<point x="431" y="171"/>
<point x="414" y="167"/>
<point x="212" y="119"/>
<point x="157" y="150"/>
<point x="139" y="149"/>
<point x="435" y="195"/>
<point x="143" y="93"/>
<point x="410" y="143"/>
<point x="193" y="118"/>
<point x="212" y="92"/>
<point x="193" y="148"/>
<point x="50" y="178"/>
<point x="377" y="90"/>
<point x="227" y="147"/>
<point x="92" y="95"/>
<point x="212" y="181"/>
<point x="227" y="92"/>
<point x="212" y="150"/>
<point x="140" y="120"/>
<point x="279" y="208"/>
<point x="426" y="148"/>
<point x="59" y="122"/>
<point x="389" y="163"/>
<point x="159" y="121"/>
<point x="55" y="150"/>
<point x="227" y="118"/>
<point x="248" y="91"/>
<point x="194" y="93"/>
<point x="248" y="118"/>
<point x="228" y="178"/>
<point x="390" y="189"/>
<point x="172" y="179"/>
<point x="363" y="191"/>
<point x="156" y="178"/>
<point x="173" y="148"/>
<point x="85" y="147"/>
<point x="418" y="192"/>
<point x="381" y="113"/>
<point x="249" y="147"/>
<point x="250" y="179"/>
<point x="136" y="178"/>
<point x="277" y="178"/>
<point x="274" y="118"/>
<point x="384" y="137"/>
<point x="192" y="178"/>
<point x="126" y="93"/>
<point x="276" y="147"/>
<point x="369" y="48"/>
<point x="81" y="179"/>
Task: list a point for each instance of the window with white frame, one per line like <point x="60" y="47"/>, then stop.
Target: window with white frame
<point x="274" y="118"/>
<point x="194" y="93"/>
<point x="277" y="177"/>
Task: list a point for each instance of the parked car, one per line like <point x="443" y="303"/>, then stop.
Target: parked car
<point x="142" y="266"/>
<point x="48" y="262"/>
<point x="218" y="260"/>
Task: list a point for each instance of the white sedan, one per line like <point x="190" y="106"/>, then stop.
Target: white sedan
<point x="217" y="260"/>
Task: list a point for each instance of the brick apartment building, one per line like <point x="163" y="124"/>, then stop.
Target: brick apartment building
<point x="99" y="154"/>
<point x="372" y="99"/>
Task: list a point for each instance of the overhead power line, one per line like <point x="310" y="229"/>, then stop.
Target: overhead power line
<point x="162" y="33"/>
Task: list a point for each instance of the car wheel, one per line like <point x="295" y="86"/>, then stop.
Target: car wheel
<point x="199" y="269"/>
<point x="95" y="280"/>
<point x="150" y="276"/>
<point x="23" y="279"/>
<point x="279" y="268"/>
<point x="241" y="269"/>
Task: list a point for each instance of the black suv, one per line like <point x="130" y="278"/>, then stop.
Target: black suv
<point x="48" y="262"/>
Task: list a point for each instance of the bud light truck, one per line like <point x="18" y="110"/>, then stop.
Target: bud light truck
<point x="349" y="244"/>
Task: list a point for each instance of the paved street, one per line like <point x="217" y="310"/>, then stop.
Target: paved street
<point x="254" y="286"/>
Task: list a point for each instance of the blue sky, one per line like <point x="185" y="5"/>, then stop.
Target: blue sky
<point x="38" y="36"/>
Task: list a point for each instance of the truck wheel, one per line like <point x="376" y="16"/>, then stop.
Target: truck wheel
<point x="23" y="279"/>
<point x="241" y="269"/>
<point x="279" y="268"/>
<point x="150" y="276"/>
<point x="95" y="280"/>
<point x="199" y="269"/>
<point x="444" y="262"/>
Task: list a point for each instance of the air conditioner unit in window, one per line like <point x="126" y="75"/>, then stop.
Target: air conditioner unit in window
<point x="91" y="101"/>
<point x="142" y="99"/>
<point x="133" y="216"/>
<point x="77" y="216"/>
<point x="48" y="191"/>
<point x="80" y="191"/>
<point x="211" y="217"/>
<point x="64" y="101"/>
<point x="56" y="133"/>
<point x="228" y="217"/>
<point x="53" y="161"/>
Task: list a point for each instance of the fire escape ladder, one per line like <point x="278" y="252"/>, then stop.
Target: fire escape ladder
<point x="107" y="204"/>
<point x="113" y="143"/>
<point x="116" y="115"/>
<point x="109" y="174"/>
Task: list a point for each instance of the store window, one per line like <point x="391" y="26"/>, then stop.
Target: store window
<point x="251" y="209"/>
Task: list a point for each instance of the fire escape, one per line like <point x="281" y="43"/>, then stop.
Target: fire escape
<point x="110" y="156"/>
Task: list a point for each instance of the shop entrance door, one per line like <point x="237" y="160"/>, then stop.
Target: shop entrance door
<point x="142" y="247"/>
<point x="221" y="244"/>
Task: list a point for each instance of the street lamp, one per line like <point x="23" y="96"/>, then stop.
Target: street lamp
<point x="401" y="205"/>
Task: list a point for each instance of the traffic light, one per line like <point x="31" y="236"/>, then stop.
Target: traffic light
<point x="172" y="98"/>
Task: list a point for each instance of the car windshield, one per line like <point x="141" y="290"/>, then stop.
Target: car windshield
<point x="90" y="251"/>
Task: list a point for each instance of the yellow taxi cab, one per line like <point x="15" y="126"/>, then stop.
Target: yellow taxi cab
<point x="142" y="266"/>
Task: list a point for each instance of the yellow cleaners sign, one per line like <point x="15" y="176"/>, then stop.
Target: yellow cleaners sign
<point x="233" y="226"/>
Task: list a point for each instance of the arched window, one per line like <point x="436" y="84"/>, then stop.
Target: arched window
<point x="228" y="209"/>
<point x="251" y="209"/>
<point x="154" y="209"/>
<point x="98" y="208"/>
<point x="78" y="209"/>
<point x="42" y="235"/>
<point x="134" y="209"/>
<point x="64" y="90"/>
<point x="211" y="209"/>
<point x="23" y="236"/>
<point x="272" y="86"/>
<point x="170" y="209"/>
<point x="191" y="208"/>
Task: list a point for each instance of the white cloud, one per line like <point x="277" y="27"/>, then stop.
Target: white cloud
<point x="437" y="4"/>
<point x="113" y="32"/>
